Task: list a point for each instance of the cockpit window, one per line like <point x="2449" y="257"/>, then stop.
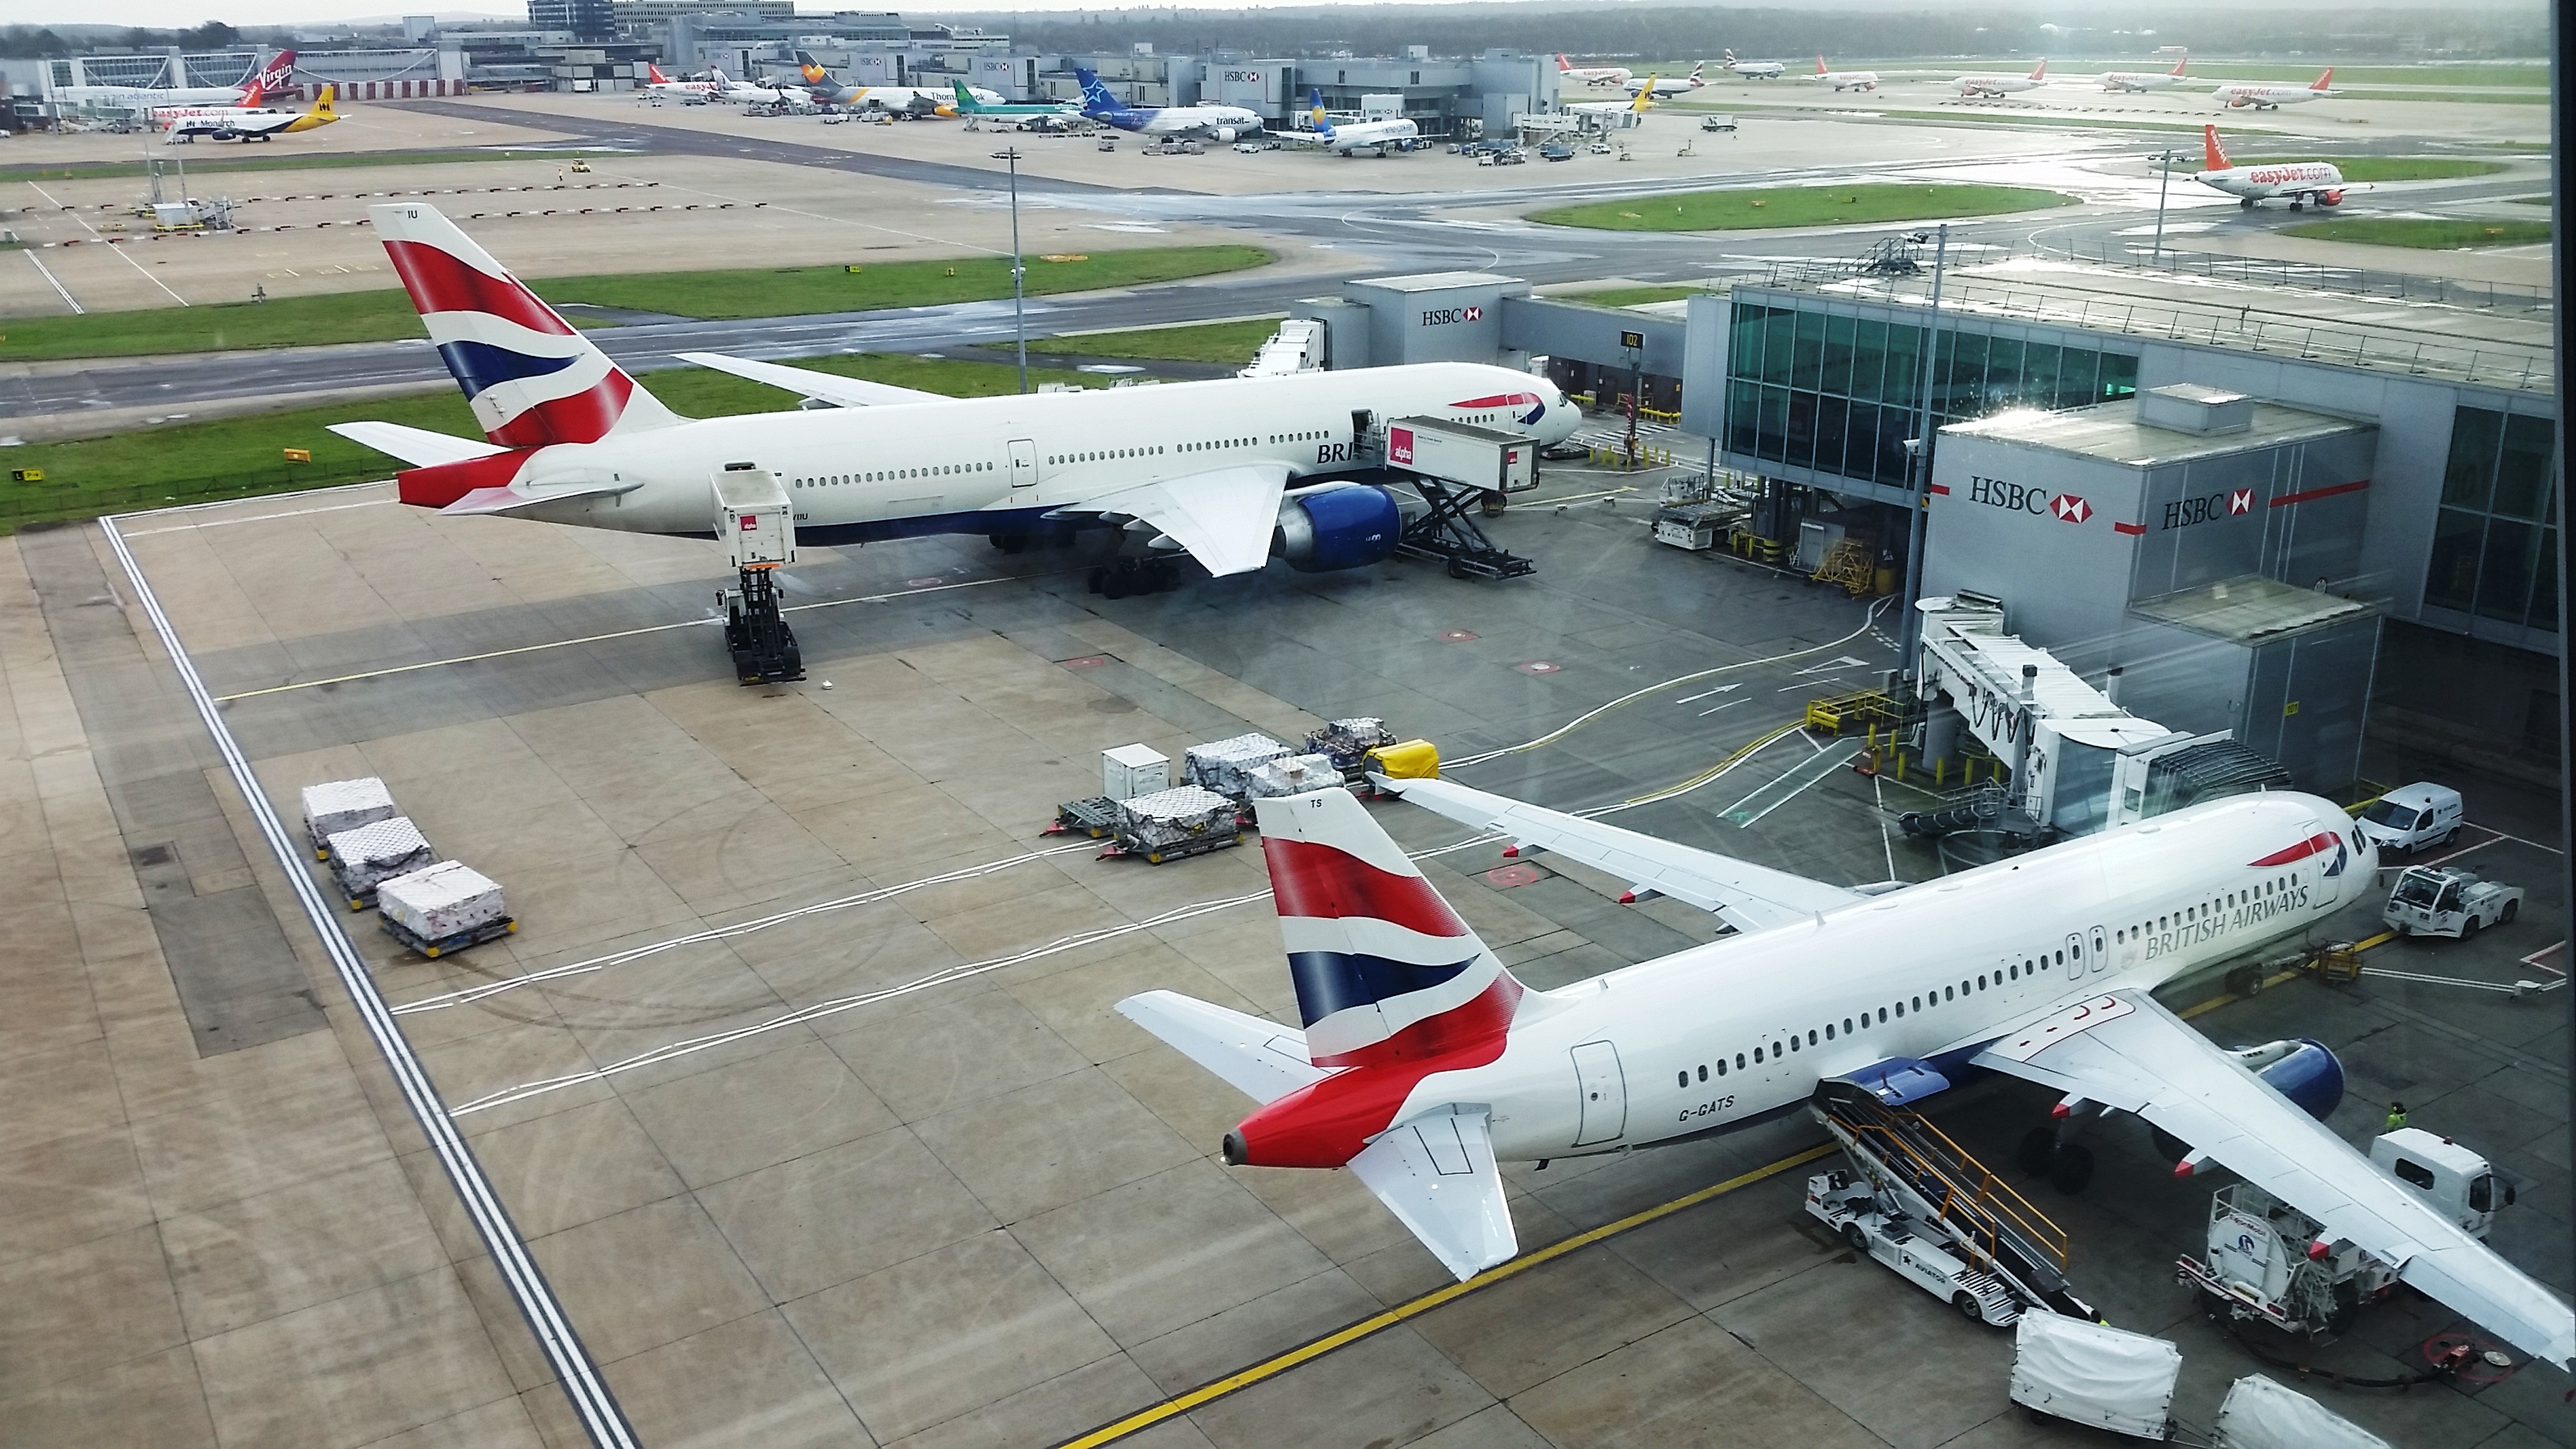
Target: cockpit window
<point x="2390" y="814"/>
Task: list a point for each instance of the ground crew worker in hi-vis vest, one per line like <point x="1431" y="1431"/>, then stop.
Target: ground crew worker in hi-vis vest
<point x="2396" y="1117"/>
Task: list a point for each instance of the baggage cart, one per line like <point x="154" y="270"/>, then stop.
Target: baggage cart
<point x="1348" y="741"/>
<point x="1169" y="825"/>
<point x="1096" y="817"/>
<point x="444" y="945"/>
<point x="337" y="805"/>
<point x="2095" y="1374"/>
<point x="1225" y="766"/>
<point x="367" y="857"/>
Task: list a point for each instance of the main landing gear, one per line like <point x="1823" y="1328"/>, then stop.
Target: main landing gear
<point x="1135" y="576"/>
<point x="2068" y="1166"/>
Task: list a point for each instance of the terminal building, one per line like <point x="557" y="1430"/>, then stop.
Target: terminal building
<point x="2283" y="502"/>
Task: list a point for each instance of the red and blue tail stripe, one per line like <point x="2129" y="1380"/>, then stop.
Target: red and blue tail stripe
<point x="532" y="379"/>
<point x="1385" y="971"/>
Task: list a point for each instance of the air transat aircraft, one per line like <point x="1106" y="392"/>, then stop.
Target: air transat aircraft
<point x="1753" y="69"/>
<point x="273" y="77"/>
<point x="1683" y="86"/>
<point x="1217" y="123"/>
<point x="261" y="124"/>
<point x="2297" y="182"/>
<point x="2270" y="97"/>
<point x="2001" y="85"/>
<point x="2144" y="80"/>
<point x="1592" y="75"/>
<point x="1230" y="471"/>
<point x="1420" y="1062"/>
<point x="1845" y="80"/>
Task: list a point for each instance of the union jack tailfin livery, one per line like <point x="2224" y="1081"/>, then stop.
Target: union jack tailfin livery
<point x="531" y="378"/>
<point x="1385" y="971"/>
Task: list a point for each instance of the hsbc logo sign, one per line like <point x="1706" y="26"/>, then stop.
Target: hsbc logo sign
<point x="2020" y="498"/>
<point x="1446" y="315"/>
<point x="2226" y="503"/>
<point x="1248" y="77"/>
<point x="2069" y="508"/>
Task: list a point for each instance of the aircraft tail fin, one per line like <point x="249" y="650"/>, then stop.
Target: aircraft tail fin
<point x="1323" y="123"/>
<point x="1561" y="64"/>
<point x="653" y="74"/>
<point x="1096" y="99"/>
<point x="2178" y="65"/>
<point x="2324" y="82"/>
<point x="254" y="94"/>
<point x="530" y="377"/>
<point x="1696" y="67"/>
<point x="1645" y="100"/>
<point x="2039" y="72"/>
<point x="1385" y="970"/>
<point x="2213" y="152"/>
<point x="274" y="75"/>
<point x="1820" y="65"/>
<point x="322" y="104"/>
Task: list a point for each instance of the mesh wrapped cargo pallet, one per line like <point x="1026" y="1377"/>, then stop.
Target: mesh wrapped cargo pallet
<point x="1348" y="741"/>
<point x="1180" y="821"/>
<point x="446" y="899"/>
<point x="337" y="805"/>
<point x="1225" y="765"/>
<point x="367" y="857"/>
<point x="1294" y="775"/>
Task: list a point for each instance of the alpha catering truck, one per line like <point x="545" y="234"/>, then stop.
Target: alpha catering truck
<point x="1464" y="454"/>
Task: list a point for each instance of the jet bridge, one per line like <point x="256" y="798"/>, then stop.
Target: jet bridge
<point x="2076" y="761"/>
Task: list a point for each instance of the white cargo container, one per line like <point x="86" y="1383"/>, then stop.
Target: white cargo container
<point x="1225" y="766"/>
<point x="367" y="857"/>
<point x="442" y="901"/>
<point x="1292" y="775"/>
<point x="1463" y="453"/>
<point x="337" y="805"/>
<point x="1132" y="770"/>
<point x="754" y="520"/>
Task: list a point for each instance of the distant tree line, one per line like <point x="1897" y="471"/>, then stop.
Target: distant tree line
<point x="1697" y="31"/>
<point x="27" y="42"/>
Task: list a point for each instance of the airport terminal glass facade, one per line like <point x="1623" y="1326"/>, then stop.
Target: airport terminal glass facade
<point x="1836" y="393"/>
<point x="2497" y="534"/>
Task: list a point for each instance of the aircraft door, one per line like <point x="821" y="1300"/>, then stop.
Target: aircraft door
<point x="1605" y="1093"/>
<point x="1024" y="463"/>
<point x="2076" y="965"/>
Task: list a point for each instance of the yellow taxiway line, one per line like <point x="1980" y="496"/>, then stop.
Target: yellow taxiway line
<point x="1313" y="1349"/>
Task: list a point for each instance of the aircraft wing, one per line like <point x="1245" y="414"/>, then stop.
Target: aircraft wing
<point x="1746" y="896"/>
<point x="419" y="447"/>
<point x="1224" y="516"/>
<point x="503" y="500"/>
<point x="1436" y="1173"/>
<point x="2126" y="1051"/>
<point x="848" y="392"/>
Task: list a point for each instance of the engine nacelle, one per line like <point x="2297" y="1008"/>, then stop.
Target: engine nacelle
<point x="2303" y="1071"/>
<point x="1225" y="135"/>
<point x="2329" y="198"/>
<point x="1343" y="527"/>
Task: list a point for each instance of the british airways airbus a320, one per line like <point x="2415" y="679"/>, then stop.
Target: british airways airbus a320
<point x="1232" y="471"/>
<point x="1419" y="1062"/>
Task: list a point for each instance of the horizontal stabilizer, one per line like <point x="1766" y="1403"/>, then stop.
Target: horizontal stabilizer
<point x="419" y="447"/>
<point x="1436" y="1173"/>
<point x="1261" y="1059"/>
<point x="505" y="500"/>
<point x="848" y="392"/>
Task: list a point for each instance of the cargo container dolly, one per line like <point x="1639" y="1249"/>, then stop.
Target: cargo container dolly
<point x="445" y="907"/>
<point x="456" y="941"/>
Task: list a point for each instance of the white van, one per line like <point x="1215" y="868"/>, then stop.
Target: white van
<point x="2457" y="1183"/>
<point x="2412" y="817"/>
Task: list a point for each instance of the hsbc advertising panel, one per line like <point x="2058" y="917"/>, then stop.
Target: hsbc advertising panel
<point x="1258" y="84"/>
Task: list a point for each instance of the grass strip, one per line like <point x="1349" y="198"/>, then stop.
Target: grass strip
<point x="1767" y="207"/>
<point x="332" y="161"/>
<point x="1629" y="296"/>
<point x="2389" y="168"/>
<point x="2423" y="233"/>
<point x="1217" y="342"/>
<point x="193" y="462"/>
<point x="383" y="315"/>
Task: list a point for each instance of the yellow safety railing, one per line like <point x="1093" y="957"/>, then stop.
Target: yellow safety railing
<point x="1953" y="1181"/>
<point x="1833" y="714"/>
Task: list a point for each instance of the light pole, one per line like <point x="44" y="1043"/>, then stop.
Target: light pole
<point x="1019" y="270"/>
<point x="2164" y="167"/>
<point x="1919" y="463"/>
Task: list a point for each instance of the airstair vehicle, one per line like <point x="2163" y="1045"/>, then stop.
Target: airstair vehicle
<point x="1919" y="1203"/>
